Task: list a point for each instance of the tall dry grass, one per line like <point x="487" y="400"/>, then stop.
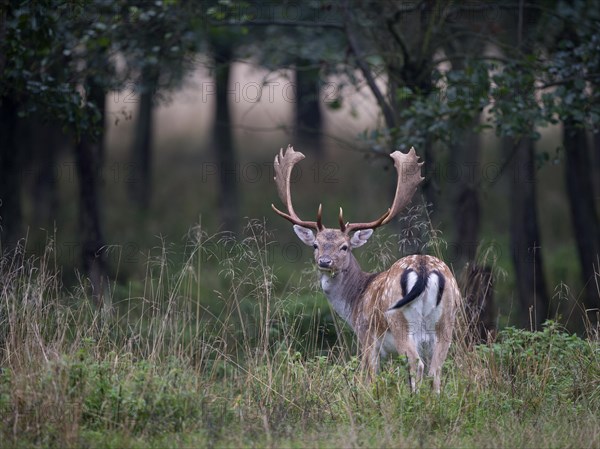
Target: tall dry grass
<point x="211" y="349"/>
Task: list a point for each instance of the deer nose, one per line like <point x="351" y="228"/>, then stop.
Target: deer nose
<point x="325" y="262"/>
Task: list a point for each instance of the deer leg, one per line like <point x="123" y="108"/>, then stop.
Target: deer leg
<point x="405" y="344"/>
<point x="443" y="338"/>
<point x="415" y="365"/>
<point x="440" y="351"/>
<point x="439" y="355"/>
<point x="371" y="349"/>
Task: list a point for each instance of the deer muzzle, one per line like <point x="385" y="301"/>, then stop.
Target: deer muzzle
<point x="325" y="263"/>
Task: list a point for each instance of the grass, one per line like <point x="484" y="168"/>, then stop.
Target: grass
<point x="222" y="353"/>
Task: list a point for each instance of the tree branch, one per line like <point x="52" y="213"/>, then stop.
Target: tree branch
<point x="284" y="23"/>
<point x="350" y="145"/>
<point x="397" y="37"/>
<point x="386" y="109"/>
<point x="589" y="77"/>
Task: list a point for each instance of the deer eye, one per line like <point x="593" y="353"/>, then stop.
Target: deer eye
<point x="344" y="248"/>
<point x="315" y="246"/>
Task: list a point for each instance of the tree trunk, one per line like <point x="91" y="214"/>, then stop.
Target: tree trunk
<point x="580" y="189"/>
<point x="596" y="163"/>
<point x="141" y="157"/>
<point x="476" y="283"/>
<point x="430" y="186"/>
<point x="465" y="155"/>
<point x="467" y="207"/>
<point x="309" y="120"/>
<point x="10" y="176"/>
<point x="47" y="141"/>
<point x="89" y="159"/>
<point x="223" y="141"/>
<point x="525" y="234"/>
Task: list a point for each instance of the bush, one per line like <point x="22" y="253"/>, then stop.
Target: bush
<point x="549" y="365"/>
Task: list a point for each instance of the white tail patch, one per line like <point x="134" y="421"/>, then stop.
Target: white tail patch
<point x="422" y="314"/>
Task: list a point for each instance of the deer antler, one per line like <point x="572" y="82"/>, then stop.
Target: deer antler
<point x="349" y="227"/>
<point x="407" y="166"/>
<point x="409" y="177"/>
<point x="283" y="165"/>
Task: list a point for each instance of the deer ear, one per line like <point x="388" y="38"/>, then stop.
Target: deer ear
<point x="305" y="234"/>
<point x="359" y="238"/>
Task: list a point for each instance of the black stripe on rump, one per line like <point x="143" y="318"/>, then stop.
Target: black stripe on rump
<point x="415" y="291"/>
<point x="404" y="280"/>
<point x="441" y="286"/>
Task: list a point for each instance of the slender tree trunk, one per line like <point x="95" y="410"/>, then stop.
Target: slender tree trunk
<point x="580" y="190"/>
<point x="309" y="120"/>
<point x="10" y="175"/>
<point x="430" y="187"/>
<point x="480" y="308"/>
<point x="46" y="146"/>
<point x="4" y="12"/>
<point x="465" y="154"/>
<point x="596" y="166"/>
<point x="141" y="157"/>
<point x="467" y="207"/>
<point x="476" y="279"/>
<point x="89" y="160"/>
<point x="223" y="141"/>
<point x="525" y="234"/>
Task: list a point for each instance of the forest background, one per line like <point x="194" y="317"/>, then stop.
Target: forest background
<point x="136" y="149"/>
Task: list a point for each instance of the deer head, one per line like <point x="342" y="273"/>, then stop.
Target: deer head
<point x="333" y="246"/>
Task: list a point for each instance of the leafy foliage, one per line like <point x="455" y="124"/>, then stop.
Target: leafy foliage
<point x="548" y="365"/>
<point x="39" y="52"/>
<point x="573" y="65"/>
<point x="556" y="80"/>
<point x="50" y="50"/>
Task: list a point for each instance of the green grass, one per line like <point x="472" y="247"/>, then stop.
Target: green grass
<point x="223" y="353"/>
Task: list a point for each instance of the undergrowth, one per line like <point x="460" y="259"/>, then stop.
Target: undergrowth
<point x="255" y="362"/>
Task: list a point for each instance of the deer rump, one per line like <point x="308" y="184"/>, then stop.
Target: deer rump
<point x="422" y="293"/>
<point x="419" y="282"/>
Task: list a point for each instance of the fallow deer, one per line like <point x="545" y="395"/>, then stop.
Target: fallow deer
<point x="409" y="309"/>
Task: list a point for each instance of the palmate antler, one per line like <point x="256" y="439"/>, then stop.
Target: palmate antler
<point x="408" y="169"/>
<point x="283" y="165"/>
<point x="407" y="166"/>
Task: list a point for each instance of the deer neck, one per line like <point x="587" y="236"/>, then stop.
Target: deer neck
<point x="344" y="288"/>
